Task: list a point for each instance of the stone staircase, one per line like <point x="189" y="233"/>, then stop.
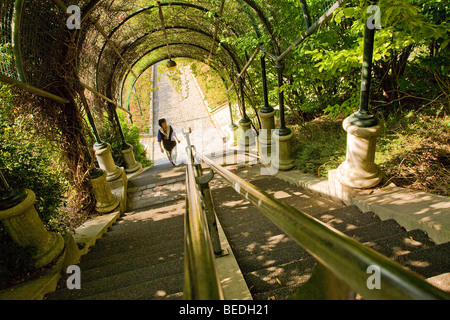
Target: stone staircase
<point x="274" y="266"/>
<point x="141" y="257"/>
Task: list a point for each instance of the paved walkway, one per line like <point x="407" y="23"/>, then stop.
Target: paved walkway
<point x="184" y="111"/>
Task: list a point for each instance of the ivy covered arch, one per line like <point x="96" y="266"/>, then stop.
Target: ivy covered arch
<point x="141" y="29"/>
<point x="117" y="35"/>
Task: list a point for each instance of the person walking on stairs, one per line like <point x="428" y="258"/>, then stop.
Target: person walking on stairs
<point x="169" y="139"/>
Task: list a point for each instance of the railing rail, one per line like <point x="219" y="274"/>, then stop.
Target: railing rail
<point x="339" y="257"/>
<point x="201" y="280"/>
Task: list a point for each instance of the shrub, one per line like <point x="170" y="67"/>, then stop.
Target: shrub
<point x="132" y="136"/>
<point x="27" y="162"/>
<point x="15" y="262"/>
<point x="319" y="146"/>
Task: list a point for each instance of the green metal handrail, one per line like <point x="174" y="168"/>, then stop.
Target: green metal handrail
<point x="346" y="259"/>
<point x="201" y="279"/>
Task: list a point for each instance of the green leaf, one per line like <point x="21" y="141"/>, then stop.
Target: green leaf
<point x="349" y="12"/>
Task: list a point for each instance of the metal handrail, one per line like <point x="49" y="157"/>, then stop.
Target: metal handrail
<point x="346" y="258"/>
<point x="201" y="278"/>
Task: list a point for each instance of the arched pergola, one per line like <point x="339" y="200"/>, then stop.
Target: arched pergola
<point x="118" y="40"/>
<point x="196" y="22"/>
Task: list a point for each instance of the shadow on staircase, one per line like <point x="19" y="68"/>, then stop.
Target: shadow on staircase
<point x="274" y="266"/>
<point x="141" y="257"/>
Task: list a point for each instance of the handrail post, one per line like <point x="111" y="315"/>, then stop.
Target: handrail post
<point x="206" y="196"/>
<point x="187" y="138"/>
<point x="205" y="190"/>
<point x="267" y="116"/>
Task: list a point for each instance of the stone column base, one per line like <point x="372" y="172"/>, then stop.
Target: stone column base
<point x="131" y="165"/>
<point x="267" y="120"/>
<point x="23" y="224"/>
<point x="106" y="163"/>
<point x="231" y="135"/>
<point x="266" y="143"/>
<point x="267" y="148"/>
<point x="337" y="190"/>
<point x="246" y="136"/>
<point x="283" y="160"/>
<point x="359" y="169"/>
<point x="106" y="200"/>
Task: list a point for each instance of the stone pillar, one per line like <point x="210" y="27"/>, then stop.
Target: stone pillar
<point x="23" y="224"/>
<point x="246" y="137"/>
<point x="106" y="200"/>
<point x="266" y="146"/>
<point x="359" y="169"/>
<point x="106" y="162"/>
<point x="282" y="160"/>
<point x="232" y="135"/>
<point x="131" y="165"/>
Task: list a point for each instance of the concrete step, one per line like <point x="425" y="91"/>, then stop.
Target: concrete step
<point x="152" y="253"/>
<point x="156" y="186"/>
<point x="165" y="233"/>
<point x="295" y="196"/>
<point x="167" y="288"/>
<point x="153" y="244"/>
<point x="154" y="229"/>
<point x="273" y="265"/>
<point x="117" y="281"/>
<point x="140" y="257"/>
<point x="132" y="263"/>
<point x="401" y="244"/>
<point x="347" y="219"/>
<point x="379" y="230"/>
<point x="250" y="244"/>
<point x="274" y="257"/>
<point x="171" y="288"/>
<point x="158" y="175"/>
<point x="282" y="293"/>
<point x="292" y="274"/>
<point x="429" y="262"/>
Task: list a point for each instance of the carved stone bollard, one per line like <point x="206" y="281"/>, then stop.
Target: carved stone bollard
<point x="106" y="200"/>
<point x="106" y="162"/>
<point x="266" y="143"/>
<point x="131" y="165"/>
<point x="359" y="169"/>
<point x="231" y="135"/>
<point x="283" y="159"/>
<point x="23" y="224"/>
<point x="245" y="136"/>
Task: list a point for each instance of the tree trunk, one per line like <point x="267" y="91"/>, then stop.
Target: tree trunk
<point x="388" y="72"/>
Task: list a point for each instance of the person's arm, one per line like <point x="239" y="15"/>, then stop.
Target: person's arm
<point x="159" y="141"/>
<point x="174" y="135"/>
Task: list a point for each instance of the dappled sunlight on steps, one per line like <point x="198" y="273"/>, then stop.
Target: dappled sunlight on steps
<point x="141" y="257"/>
<point x="274" y="266"/>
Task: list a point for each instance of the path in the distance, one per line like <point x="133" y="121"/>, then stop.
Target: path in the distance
<point x="183" y="112"/>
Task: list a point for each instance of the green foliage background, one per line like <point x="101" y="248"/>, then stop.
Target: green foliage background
<point x="29" y="162"/>
<point x="108" y="132"/>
